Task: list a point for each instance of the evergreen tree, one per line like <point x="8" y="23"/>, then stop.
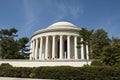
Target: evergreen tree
<point x="99" y="39"/>
<point x="9" y="46"/>
<point x="24" y="49"/>
<point x="86" y="36"/>
<point x="111" y="54"/>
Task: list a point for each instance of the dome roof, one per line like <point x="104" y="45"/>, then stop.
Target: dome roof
<point x="59" y="27"/>
<point x="62" y="25"/>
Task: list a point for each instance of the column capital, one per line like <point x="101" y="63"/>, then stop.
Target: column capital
<point x="36" y="38"/>
<point x="68" y="35"/>
<point x="81" y="39"/>
<point x="41" y="36"/>
<point x="60" y="35"/>
<point x="53" y="35"/>
<point x="47" y="35"/>
<point x="33" y="40"/>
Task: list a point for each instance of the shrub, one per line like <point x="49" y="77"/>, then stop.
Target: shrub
<point x="97" y="63"/>
<point x="63" y="72"/>
<point x="6" y="70"/>
<point x="5" y="65"/>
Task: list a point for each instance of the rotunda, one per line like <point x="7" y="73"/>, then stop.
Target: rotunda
<point x="57" y="42"/>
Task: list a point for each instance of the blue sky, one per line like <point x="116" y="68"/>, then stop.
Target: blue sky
<point x="29" y="16"/>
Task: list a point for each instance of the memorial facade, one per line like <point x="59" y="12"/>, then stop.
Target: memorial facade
<point x="58" y="42"/>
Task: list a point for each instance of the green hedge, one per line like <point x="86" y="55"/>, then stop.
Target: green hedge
<point x="63" y="72"/>
<point x="7" y="70"/>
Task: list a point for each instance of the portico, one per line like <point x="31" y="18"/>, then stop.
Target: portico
<point x="58" y="41"/>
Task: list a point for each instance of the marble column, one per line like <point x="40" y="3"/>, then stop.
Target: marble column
<point x="53" y="46"/>
<point x="36" y="49"/>
<point x="41" y="43"/>
<point x="87" y="53"/>
<point x="61" y="47"/>
<point x="68" y="47"/>
<point x="33" y="49"/>
<point x="75" y="47"/>
<point x="46" y="48"/>
<point x="82" y="50"/>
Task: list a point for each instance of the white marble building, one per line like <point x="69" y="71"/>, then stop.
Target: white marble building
<point x="54" y="46"/>
<point x="57" y="42"/>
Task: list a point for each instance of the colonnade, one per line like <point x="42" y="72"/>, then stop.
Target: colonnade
<point x="57" y="47"/>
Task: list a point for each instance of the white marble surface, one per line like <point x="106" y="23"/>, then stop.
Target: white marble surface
<point x="39" y="63"/>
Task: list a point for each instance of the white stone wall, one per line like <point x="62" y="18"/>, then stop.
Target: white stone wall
<point x="39" y="63"/>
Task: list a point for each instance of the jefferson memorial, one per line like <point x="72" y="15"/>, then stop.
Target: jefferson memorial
<point x="55" y="46"/>
<point x="58" y="42"/>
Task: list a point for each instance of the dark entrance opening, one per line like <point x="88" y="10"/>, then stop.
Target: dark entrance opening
<point x="65" y="49"/>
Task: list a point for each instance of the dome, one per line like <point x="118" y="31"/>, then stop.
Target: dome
<point x="62" y="25"/>
<point x="59" y="27"/>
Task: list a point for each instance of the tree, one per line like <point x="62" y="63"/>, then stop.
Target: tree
<point x="8" y="33"/>
<point x="99" y="40"/>
<point x="101" y="47"/>
<point x="86" y="36"/>
<point x="111" y="54"/>
<point x="8" y="44"/>
<point x="116" y="47"/>
<point x="24" y="49"/>
<point x="108" y="56"/>
<point x="10" y="47"/>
